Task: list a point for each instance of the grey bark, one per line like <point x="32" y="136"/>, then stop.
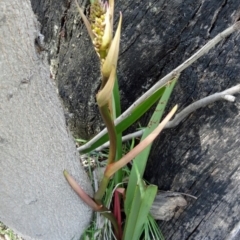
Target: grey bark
<point x="35" y="144"/>
<point x="201" y="155"/>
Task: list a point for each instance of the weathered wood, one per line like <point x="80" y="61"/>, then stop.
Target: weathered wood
<point x="201" y="155"/>
<point x="166" y="205"/>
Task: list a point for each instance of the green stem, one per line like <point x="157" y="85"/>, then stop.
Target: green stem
<point x="111" y="132"/>
<point x="101" y="190"/>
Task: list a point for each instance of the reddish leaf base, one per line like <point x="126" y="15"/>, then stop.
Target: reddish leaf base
<point x="117" y="209"/>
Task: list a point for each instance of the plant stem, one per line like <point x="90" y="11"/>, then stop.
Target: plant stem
<point x="101" y="190"/>
<point x="111" y="132"/>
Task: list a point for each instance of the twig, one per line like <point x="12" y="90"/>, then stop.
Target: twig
<point x="171" y="193"/>
<point x="205" y="49"/>
<point x="224" y="95"/>
<point x="202" y="103"/>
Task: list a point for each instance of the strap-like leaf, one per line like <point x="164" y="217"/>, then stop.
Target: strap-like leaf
<point x="141" y="160"/>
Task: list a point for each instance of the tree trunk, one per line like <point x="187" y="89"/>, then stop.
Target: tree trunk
<point x="35" y="144"/>
<point x="201" y="155"/>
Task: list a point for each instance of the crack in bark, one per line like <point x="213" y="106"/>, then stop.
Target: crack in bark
<point x="130" y="45"/>
<point x="63" y="28"/>
<point x="215" y="17"/>
<point x="194" y="230"/>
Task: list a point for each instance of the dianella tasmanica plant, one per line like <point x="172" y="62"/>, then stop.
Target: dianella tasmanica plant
<point x="138" y="201"/>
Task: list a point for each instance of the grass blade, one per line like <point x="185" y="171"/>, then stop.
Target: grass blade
<point x="139" y="211"/>
<point x="149" y="196"/>
<point x="141" y="160"/>
<point x="154" y="231"/>
<point x="131" y="219"/>
<point x="116" y="106"/>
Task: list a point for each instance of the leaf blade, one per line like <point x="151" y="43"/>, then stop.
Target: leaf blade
<point x="141" y="160"/>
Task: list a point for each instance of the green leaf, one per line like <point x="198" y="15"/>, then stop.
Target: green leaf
<point x="147" y="202"/>
<point x="139" y="111"/>
<point x="116" y="105"/>
<point x="139" y="210"/>
<point x="127" y="122"/>
<point x="152" y="230"/>
<point x="131" y="219"/>
<point x="140" y="182"/>
<point x="141" y="160"/>
<point x="140" y="207"/>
